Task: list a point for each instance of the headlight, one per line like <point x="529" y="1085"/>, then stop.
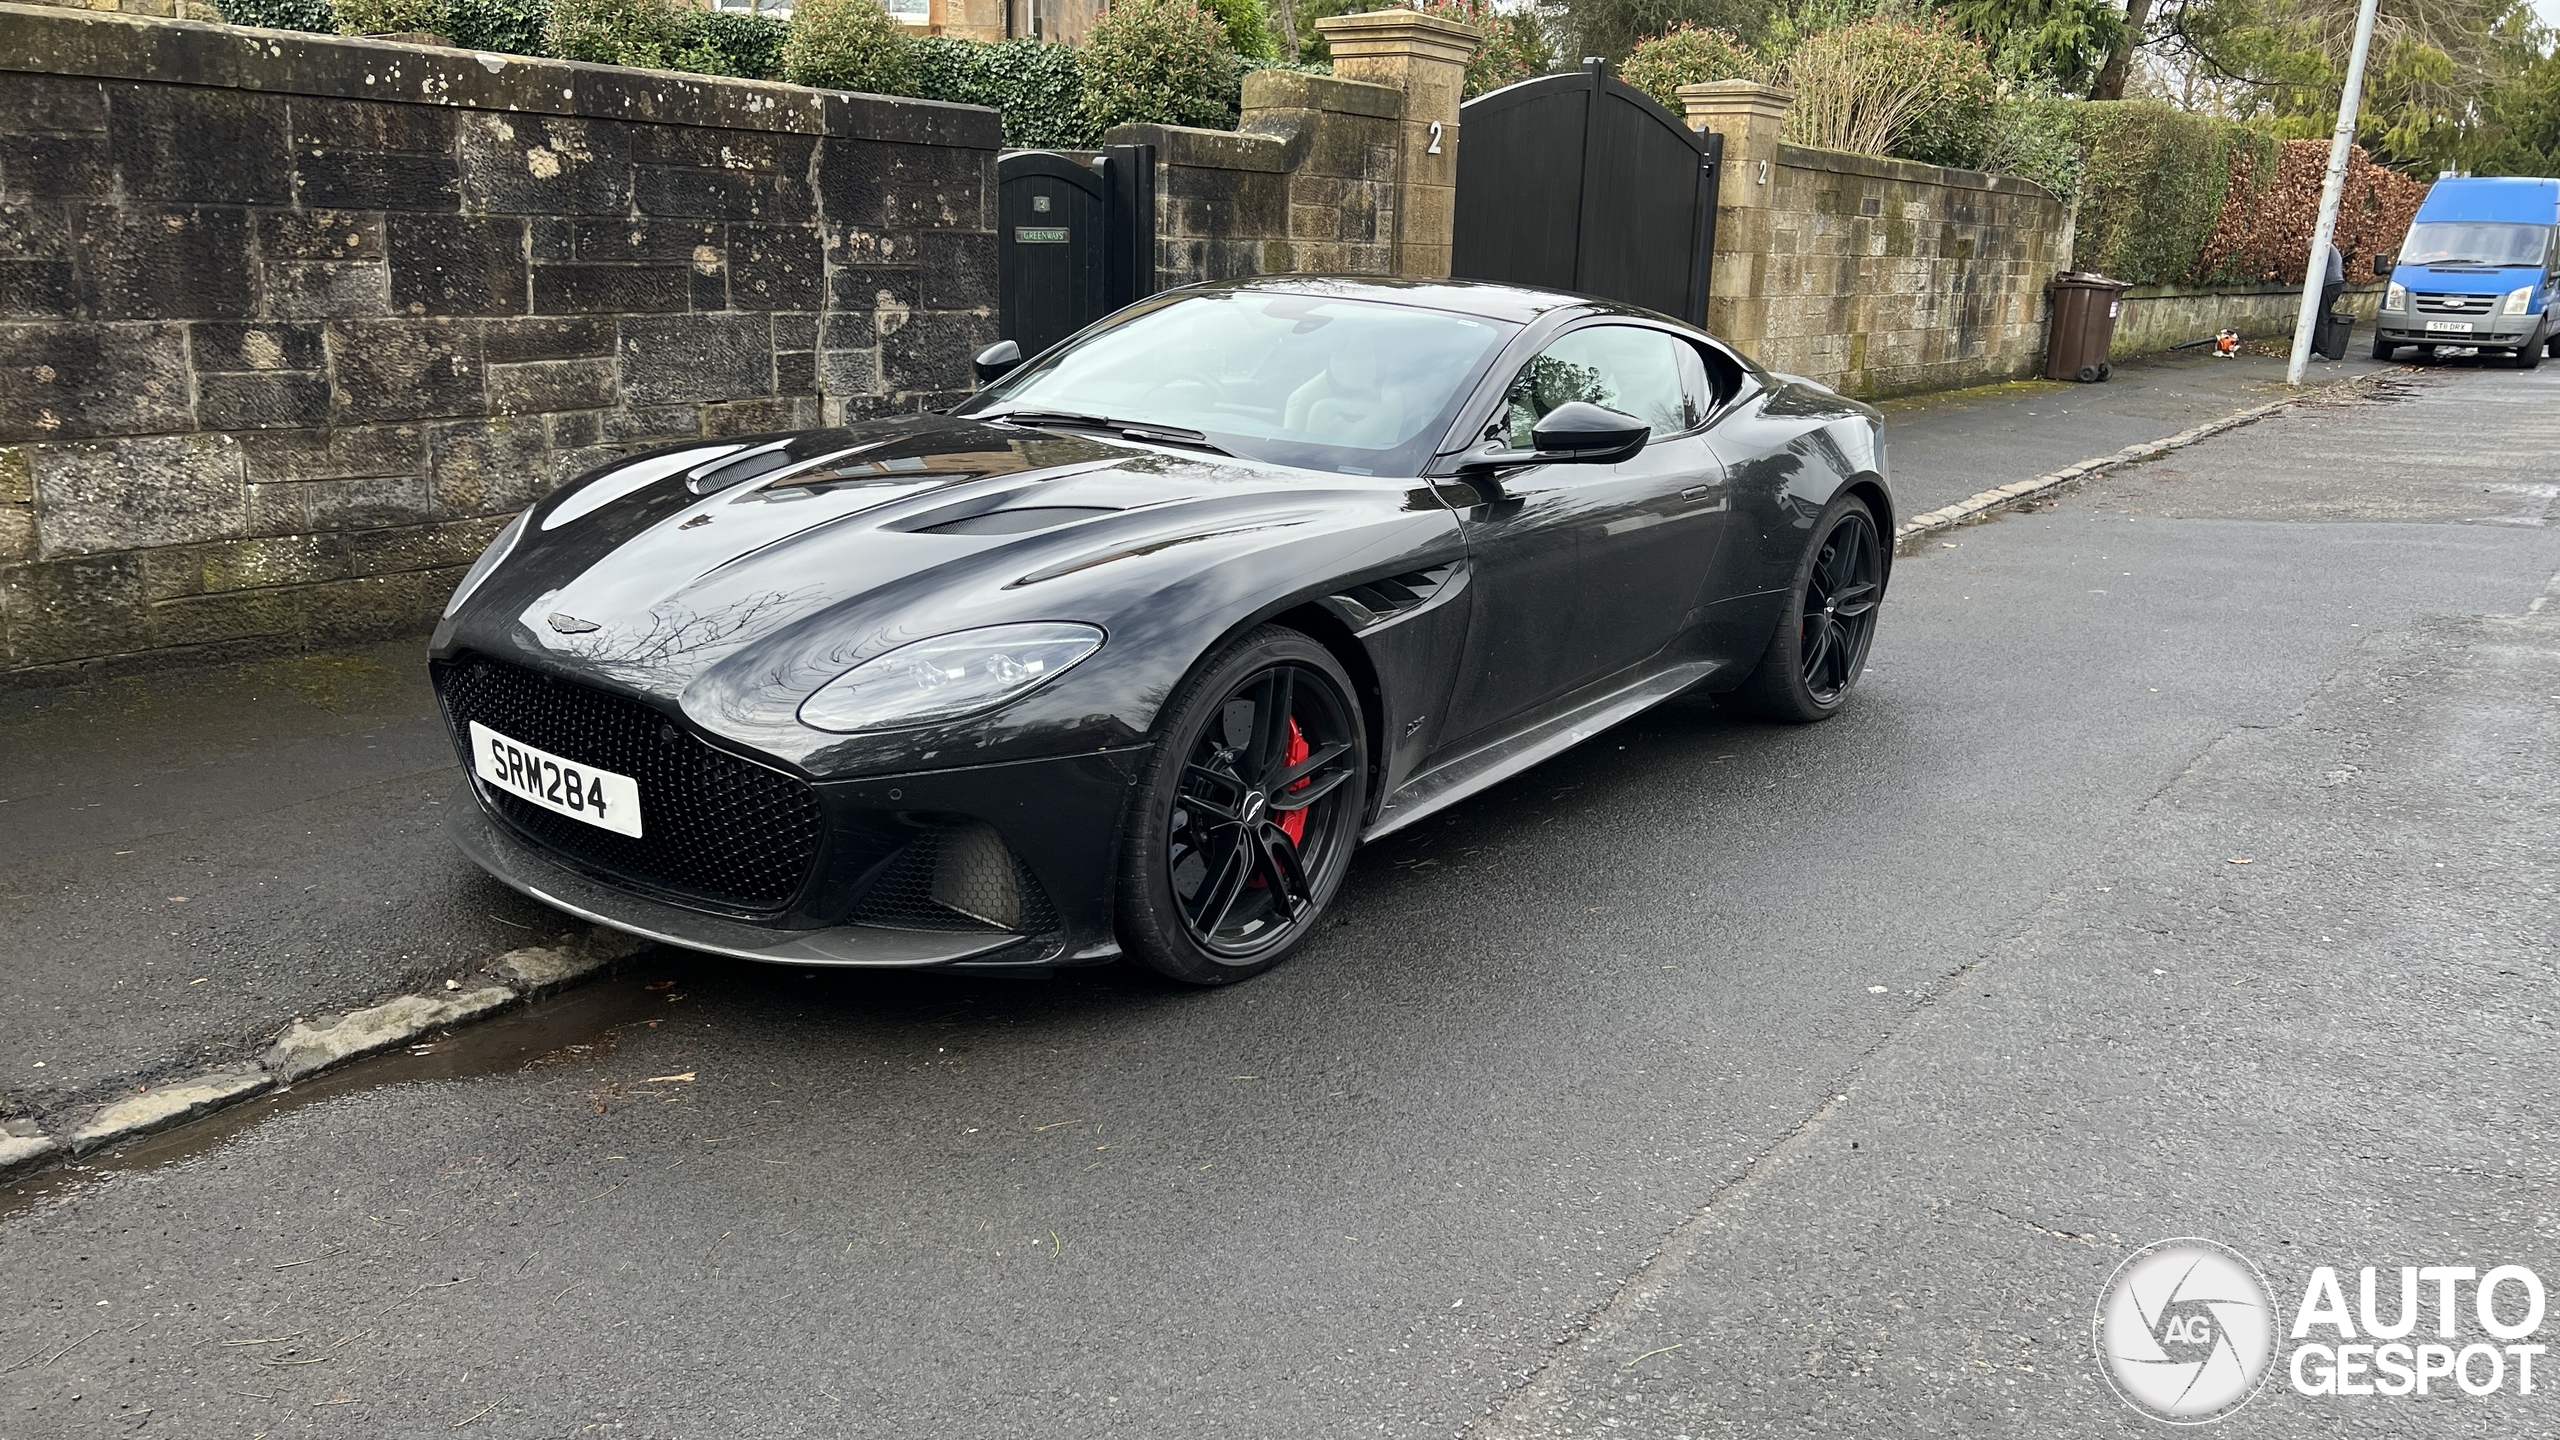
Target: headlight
<point x="2396" y="298"/>
<point x="2520" y="300"/>
<point x="488" y="561"/>
<point x="948" y="676"/>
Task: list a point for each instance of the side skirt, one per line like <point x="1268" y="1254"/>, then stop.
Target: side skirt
<point x="1445" y="785"/>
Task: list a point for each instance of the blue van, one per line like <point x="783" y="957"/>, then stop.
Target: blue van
<point x="2477" y="269"/>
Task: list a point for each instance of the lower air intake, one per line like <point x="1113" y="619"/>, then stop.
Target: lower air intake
<point x="958" y="878"/>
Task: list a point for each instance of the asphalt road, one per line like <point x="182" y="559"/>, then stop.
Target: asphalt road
<point x="1714" y="1079"/>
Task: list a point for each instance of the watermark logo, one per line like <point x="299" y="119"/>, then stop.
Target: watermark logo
<point x="2186" y="1331"/>
<point x="2359" y="1352"/>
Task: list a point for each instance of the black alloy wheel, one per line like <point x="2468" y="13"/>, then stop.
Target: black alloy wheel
<point x="1821" y="643"/>
<point x="1248" y="812"/>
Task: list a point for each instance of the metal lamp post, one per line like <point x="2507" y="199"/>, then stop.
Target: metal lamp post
<point x="2331" y="186"/>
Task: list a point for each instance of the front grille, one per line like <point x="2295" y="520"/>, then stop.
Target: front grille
<point x="716" y="829"/>
<point x="958" y="878"/>
<point x="2455" y="304"/>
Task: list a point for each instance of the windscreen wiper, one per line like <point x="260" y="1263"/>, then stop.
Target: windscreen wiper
<point x="1132" y="429"/>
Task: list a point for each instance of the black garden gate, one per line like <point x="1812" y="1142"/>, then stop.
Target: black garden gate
<point x="1582" y="182"/>
<point x="1075" y="240"/>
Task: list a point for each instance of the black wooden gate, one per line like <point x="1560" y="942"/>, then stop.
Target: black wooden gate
<point x="1582" y="182"/>
<point x="1075" y="240"/>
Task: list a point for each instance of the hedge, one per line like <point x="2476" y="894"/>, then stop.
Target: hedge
<point x="313" y="15"/>
<point x="1171" y="61"/>
<point x="2265" y="234"/>
<point x="2170" y="198"/>
<point x="1033" y="85"/>
<point x="2152" y="186"/>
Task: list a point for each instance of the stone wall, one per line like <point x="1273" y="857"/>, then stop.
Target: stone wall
<point x="1307" y="184"/>
<point x="289" y="324"/>
<point x="1885" y="277"/>
<point x="1874" y="276"/>
<point x="2155" y="317"/>
<point x="1325" y="174"/>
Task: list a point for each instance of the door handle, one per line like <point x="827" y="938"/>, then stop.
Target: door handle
<point x="1696" y="492"/>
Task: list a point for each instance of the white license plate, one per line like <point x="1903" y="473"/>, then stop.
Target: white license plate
<point x="581" y="792"/>
<point x="2449" y="327"/>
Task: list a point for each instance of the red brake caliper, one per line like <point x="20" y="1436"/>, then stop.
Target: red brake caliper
<point x="1293" y="823"/>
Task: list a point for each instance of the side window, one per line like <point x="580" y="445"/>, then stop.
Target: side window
<point x="1724" y="379"/>
<point x="1696" y="393"/>
<point x="1620" y="367"/>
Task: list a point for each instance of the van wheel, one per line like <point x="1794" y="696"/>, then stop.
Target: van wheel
<point x="2384" y="349"/>
<point x="2529" y="356"/>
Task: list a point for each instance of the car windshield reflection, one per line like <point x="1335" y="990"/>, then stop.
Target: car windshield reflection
<point x="1359" y="387"/>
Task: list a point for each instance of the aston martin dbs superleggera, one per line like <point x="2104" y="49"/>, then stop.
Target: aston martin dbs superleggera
<point x="1127" y="652"/>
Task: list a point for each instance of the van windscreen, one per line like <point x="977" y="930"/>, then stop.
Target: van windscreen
<point x="2475" y="242"/>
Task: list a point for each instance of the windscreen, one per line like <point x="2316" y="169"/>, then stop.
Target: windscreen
<point x="1356" y="386"/>
<point x="2475" y="242"/>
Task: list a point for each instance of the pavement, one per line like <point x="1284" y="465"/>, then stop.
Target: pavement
<point x="191" y="860"/>
<point x="1951" y="445"/>
<point x="1715" y="1078"/>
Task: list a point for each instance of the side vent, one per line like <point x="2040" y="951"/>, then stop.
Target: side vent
<point x="1386" y="598"/>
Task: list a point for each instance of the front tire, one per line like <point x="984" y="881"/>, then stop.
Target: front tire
<point x="1245" y="817"/>
<point x="1820" y="645"/>
<point x="2383" y="349"/>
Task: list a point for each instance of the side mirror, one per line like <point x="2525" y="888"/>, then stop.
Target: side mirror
<point x="1574" y="433"/>
<point x="2382" y="264"/>
<point x="1579" y="431"/>
<point x="996" y="361"/>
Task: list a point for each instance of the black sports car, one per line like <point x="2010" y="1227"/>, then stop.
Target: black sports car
<point x="1130" y="650"/>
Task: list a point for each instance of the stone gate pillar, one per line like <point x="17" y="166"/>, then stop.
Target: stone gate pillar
<point x="1751" y="117"/>
<point x="1425" y="57"/>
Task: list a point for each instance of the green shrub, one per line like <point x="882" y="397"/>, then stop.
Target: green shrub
<point x="1687" y="55"/>
<point x="610" y="32"/>
<point x="512" y="27"/>
<point x="1165" y="62"/>
<point x="1913" y="88"/>
<point x="1034" y="86"/>
<point x="726" y="42"/>
<point x="2032" y="139"/>
<point x="848" y="45"/>
<point x="1514" y="48"/>
<point x="1248" y="28"/>
<point x="389" y="17"/>
<point x="312" y="15"/>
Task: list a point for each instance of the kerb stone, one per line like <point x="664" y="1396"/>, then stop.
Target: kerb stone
<point x="163" y="1106"/>
<point x="307" y="1049"/>
<point x="539" y="968"/>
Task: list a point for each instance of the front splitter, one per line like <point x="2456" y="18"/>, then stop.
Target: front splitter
<point x="522" y="868"/>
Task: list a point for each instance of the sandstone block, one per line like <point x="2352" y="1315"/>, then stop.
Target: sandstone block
<point x="109" y="495"/>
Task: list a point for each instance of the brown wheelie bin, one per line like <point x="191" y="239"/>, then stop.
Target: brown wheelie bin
<point x="2084" y="325"/>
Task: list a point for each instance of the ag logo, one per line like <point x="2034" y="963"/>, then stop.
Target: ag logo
<point x="2185" y="1331"/>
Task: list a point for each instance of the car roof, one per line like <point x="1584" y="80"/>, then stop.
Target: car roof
<point x="1494" y="300"/>
<point x="2504" y="197"/>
